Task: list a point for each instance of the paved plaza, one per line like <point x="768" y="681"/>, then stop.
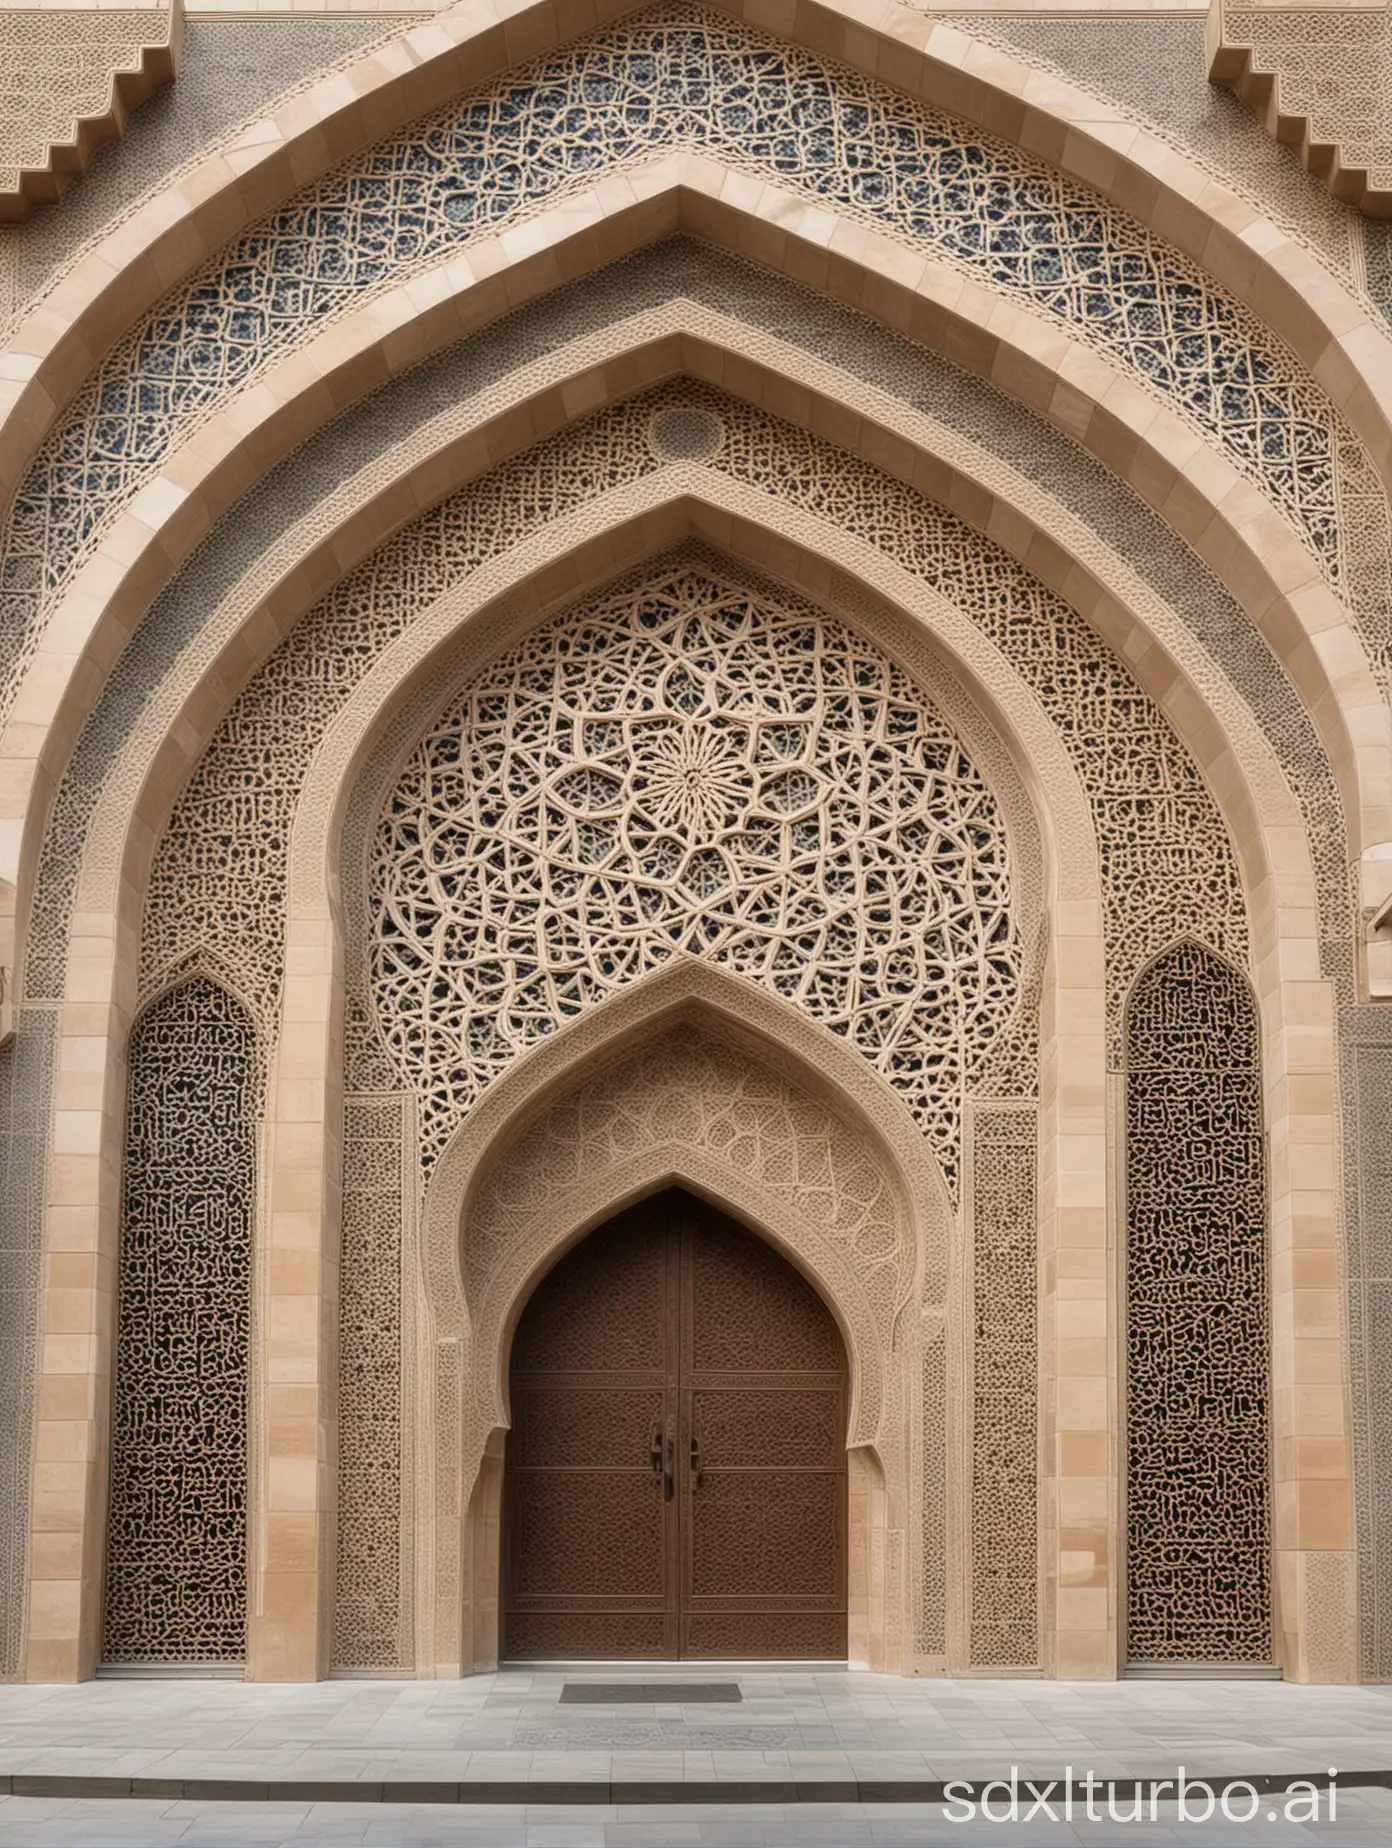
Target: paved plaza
<point x="510" y="1762"/>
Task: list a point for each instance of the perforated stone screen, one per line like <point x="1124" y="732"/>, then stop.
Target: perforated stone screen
<point x="1198" y="1520"/>
<point x="176" y="1566"/>
<point x="691" y="768"/>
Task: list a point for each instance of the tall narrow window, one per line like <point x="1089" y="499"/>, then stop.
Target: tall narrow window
<point x="176" y="1560"/>
<point x="1198" y="1539"/>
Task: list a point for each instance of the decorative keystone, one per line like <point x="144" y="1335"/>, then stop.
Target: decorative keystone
<point x="1320" y="78"/>
<point x="69" y="78"/>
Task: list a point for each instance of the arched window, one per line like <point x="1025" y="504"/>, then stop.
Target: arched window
<point x="176" y="1555"/>
<point x="1198" y="1522"/>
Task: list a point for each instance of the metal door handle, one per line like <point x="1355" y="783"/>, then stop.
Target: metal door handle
<point x="669" y="1478"/>
<point x="695" y="1460"/>
<point x="655" y="1450"/>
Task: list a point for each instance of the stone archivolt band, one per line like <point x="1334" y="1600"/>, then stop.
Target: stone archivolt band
<point x="689" y="765"/>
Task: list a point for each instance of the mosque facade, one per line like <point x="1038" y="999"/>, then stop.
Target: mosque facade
<point x="696" y="850"/>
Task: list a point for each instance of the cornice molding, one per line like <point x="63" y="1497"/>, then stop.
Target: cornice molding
<point x="1278" y="59"/>
<point x="69" y="79"/>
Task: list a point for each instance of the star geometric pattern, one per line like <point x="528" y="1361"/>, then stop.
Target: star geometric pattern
<point x="689" y="767"/>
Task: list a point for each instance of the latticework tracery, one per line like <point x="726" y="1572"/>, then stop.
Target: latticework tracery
<point x="1004" y="1619"/>
<point x="636" y="91"/>
<point x="689" y="768"/>
<point x="1198" y="1519"/>
<point x="218" y="882"/>
<point x="369" y="1630"/>
<point x="177" y="1547"/>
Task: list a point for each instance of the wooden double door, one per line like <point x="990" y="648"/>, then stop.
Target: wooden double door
<point x="676" y="1468"/>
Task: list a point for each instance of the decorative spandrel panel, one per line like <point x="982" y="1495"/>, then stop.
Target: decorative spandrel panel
<point x="177" y="1538"/>
<point x="691" y="767"/>
<point x="642" y="90"/>
<point x="685" y="1088"/>
<point x="69" y="78"/>
<point x="1198" y="1465"/>
<point x="1330" y="73"/>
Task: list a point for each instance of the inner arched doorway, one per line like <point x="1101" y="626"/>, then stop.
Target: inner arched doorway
<point x="675" y="1482"/>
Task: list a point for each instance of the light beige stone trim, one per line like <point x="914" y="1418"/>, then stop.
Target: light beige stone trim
<point x="576" y="552"/>
<point x="1196" y="490"/>
<point x="83" y="70"/>
<point x="84" y="1210"/>
<point x="1085" y="136"/>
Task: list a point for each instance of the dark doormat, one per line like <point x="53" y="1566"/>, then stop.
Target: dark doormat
<point x="635" y="1693"/>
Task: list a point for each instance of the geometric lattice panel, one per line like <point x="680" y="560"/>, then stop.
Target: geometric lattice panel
<point x="641" y="91"/>
<point x="1005" y="1372"/>
<point x="218" y="882"/>
<point x="176" y="1567"/>
<point x="690" y="767"/>
<point x="1198" y="1523"/>
<point x="930" y="1627"/>
<point x="368" y="1617"/>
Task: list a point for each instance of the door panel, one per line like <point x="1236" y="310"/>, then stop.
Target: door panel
<point x="576" y="1428"/>
<point x="748" y="1308"/>
<point x="765" y="1635"/>
<point x="763" y="1417"/>
<point x="590" y="1528"/>
<point x="606" y="1304"/>
<point x="614" y="1636"/>
<point x="596" y="1536"/>
<point x="676" y="1469"/>
<point x="763" y="1550"/>
<point x="766" y="1426"/>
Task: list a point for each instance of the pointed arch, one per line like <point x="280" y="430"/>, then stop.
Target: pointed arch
<point x="687" y="339"/>
<point x="591" y="557"/>
<point x="692" y="993"/>
<point x="679" y="1043"/>
<point x="559" y="566"/>
<point x="1229" y="520"/>
<point x="1045" y="113"/>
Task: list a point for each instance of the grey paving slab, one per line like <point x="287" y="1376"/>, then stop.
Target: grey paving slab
<point x="821" y="1826"/>
<point x="795" y="1735"/>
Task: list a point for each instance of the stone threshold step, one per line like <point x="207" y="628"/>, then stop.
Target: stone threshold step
<point x="621" y="1791"/>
